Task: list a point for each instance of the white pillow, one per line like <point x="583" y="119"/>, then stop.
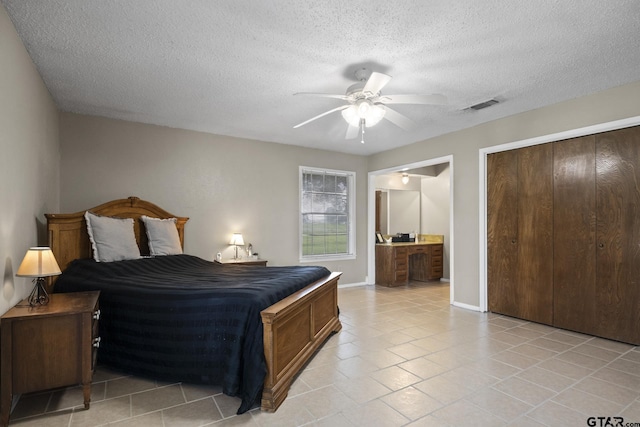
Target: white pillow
<point x="112" y="239"/>
<point x="162" y="235"/>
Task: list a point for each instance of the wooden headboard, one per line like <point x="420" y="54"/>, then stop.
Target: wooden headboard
<point x="68" y="236"/>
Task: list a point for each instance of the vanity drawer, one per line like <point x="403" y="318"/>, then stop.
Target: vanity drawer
<point x="401" y="264"/>
<point x="436" y="272"/>
<point x="419" y="249"/>
<point x="401" y="275"/>
<point x="401" y="252"/>
<point x="436" y="250"/>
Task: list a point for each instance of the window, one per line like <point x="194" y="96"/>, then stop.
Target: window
<point x="327" y="220"/>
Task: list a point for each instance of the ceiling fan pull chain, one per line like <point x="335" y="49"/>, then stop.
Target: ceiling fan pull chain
<point x="362" y="123"/>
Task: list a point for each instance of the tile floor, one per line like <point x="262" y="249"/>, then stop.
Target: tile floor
<point x="404" y="357"/>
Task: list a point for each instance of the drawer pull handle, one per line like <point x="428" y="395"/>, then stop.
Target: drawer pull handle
<point x="96" y="342"/>
<point x="96" y="314"/>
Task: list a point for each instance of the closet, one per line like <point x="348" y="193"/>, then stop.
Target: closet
<point x="563" y="234"/>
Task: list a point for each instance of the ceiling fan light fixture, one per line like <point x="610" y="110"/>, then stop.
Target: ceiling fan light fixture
<point x="363" y="109"/>
<point x="350" y="115"/>
<point x="376" y="113"/>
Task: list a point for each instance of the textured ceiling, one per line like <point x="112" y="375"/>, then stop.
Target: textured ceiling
<point x="232" y="67"/>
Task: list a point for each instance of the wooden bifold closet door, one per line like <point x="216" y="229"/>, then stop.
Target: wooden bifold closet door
<point x="581" y="268"/>
<point x="618" y="235"/>
<point x="574" y="236"/>
<point x="519" y="233"/>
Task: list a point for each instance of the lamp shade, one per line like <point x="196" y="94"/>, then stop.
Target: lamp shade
<point x="39" y="262"/>
<point x="236" y="239"/>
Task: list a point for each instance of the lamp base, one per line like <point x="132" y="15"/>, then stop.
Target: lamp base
<point x="39" y="295"/>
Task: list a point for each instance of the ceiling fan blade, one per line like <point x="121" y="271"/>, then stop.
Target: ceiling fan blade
<point x="352" y="132"/>
<point x="435" y="99"/>
<point x="342" y="107"/>
<point x="323" y="95"/>
<point x="375" y="83"/>
<point x="398" y="119"/>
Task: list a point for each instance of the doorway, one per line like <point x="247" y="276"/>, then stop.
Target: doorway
<point x="376" y="204"/>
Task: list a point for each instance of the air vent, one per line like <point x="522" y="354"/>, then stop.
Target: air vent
<point x="483" y="105"/>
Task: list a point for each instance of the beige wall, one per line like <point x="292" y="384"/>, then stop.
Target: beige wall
<point x="29" y="160"/>
<point x="614" y="104"/>
<point x="223" y="184"/>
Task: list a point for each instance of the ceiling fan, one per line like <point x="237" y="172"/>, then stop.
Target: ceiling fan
<point x="366" y="105"/>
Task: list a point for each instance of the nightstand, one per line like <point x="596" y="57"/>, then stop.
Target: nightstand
<point x="243" y="261"/>
<point x="49" y="346"/>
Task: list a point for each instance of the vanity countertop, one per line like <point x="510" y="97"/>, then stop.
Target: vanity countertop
<point x="423" y="239"/>
<point x="409" y="243"/>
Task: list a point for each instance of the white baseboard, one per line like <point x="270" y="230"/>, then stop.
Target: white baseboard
<point x="351" y="285"/>
<point x="466" y="306"/>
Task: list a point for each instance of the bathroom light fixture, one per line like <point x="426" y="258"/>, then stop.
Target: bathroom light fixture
<point x="405" y="178"/>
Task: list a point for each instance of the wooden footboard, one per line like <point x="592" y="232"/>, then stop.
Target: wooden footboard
<point x="294" y="329"/>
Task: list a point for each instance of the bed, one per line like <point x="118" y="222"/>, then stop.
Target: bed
<point x="249" y="329"/>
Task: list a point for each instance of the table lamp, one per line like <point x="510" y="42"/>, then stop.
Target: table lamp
<point x="38" y="263"/>
<point x="237" y="240"/>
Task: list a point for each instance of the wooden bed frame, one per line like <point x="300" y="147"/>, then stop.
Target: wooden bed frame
<point x="294" y="328"/>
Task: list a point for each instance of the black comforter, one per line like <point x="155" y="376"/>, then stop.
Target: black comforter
<point x="181" y="318"/>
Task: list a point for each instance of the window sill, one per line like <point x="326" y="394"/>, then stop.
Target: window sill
<point x="327" y="258"/>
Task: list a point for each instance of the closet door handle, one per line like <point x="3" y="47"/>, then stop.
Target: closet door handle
<point x="513" y="241"/>
<point x="601" y="245"/>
